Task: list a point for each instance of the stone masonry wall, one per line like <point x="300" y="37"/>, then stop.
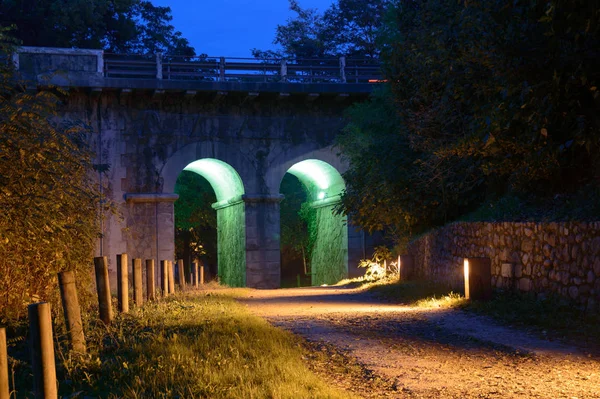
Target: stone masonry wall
<point x="543" y="258"/>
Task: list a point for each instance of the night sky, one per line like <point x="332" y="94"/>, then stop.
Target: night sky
<point x="232" y="27"/>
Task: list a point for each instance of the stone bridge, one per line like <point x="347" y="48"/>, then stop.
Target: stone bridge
<point x="241" y="124"/>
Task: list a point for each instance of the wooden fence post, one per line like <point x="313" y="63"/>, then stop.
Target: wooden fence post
<point x="181" y="274"/>
<point x="150" y="285"/>
<point x="171" y="277"/>
<point x="138" y="292"/>
<point x="164" y="277"/>
<point x="4" y="386"/>
<point x="122" y="283"/>
<point x="70" y="303"/>
<point x="195" y="274"/>
<point x="103" y="289"/>
<point x="42" y="351"/>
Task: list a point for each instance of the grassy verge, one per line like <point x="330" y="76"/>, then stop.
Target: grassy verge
<point x="203" y="346"/>
<point x="550" y="317"/>
<point x="417" y="293"/>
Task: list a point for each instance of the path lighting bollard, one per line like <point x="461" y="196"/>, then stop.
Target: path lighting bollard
<point x="478" y="278"/>
<point x="103" y="289"/>
<point x="70" y="303"/>
<point x="181" y="274"/>
<point x="42" y="351"/>
<point x="122" y="283"/>
<point x="150" y="284"/>
<point x="171" y="277"/>
<point x="138" y="292"/>
<point x="405" y="266"/>
<point x="4" y="387"/>
<point x="164" y="277"/>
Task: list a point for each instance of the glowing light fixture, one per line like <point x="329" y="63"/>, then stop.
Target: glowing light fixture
<point x="321" y="195"/>
<point x="466" y="271"/>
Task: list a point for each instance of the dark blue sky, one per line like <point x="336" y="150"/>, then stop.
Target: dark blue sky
<point x="232" y="27"/>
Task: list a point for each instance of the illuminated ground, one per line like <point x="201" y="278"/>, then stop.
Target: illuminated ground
<point x="424" y="353"/>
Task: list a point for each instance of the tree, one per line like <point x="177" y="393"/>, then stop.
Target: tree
<point x="486" y="100"/>
<point x="348" y="27"/>
<point x="118" y="26"/>
<point x="297" y="227"/>
<point x="50" y="205"/>
<point x="195" y="220"/>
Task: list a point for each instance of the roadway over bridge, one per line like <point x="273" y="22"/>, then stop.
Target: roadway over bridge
<point x="242" y="124"/>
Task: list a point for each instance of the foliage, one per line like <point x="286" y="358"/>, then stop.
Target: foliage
<point x="201" y="346"/>
<point x="486" y="99"/>
<point x="125" y="26"/>
<point x="195" y="220"/>
<point x="50" y="204"/>
<point x="424" y="294"/>
<point x="377" y="268"/>
<point x="295" y="216"/>
<point x="347" y="27"/>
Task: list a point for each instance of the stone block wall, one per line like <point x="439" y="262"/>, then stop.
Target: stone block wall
<point x="543" y="258"/>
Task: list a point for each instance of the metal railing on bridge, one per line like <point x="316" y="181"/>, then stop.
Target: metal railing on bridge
<point x="232" y="69"/>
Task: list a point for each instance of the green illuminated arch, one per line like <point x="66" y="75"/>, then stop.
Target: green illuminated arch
<point x="231" y="218"/>
<point x="329" y="263"/>
<point x="223" y="178"/>
<point x="322" y="179"/>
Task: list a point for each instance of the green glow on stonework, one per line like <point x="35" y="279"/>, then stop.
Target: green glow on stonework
<point x="329" y="263"/>
<point x="223" y="178"/>
<point x="231" y="219"/>
<point x="319" y="174"/>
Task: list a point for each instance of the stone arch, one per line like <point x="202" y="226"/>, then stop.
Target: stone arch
<point x="229" y="189"/>
<point x="325" y="184"/>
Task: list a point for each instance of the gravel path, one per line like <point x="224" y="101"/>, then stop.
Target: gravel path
<point x="428" y="353"/>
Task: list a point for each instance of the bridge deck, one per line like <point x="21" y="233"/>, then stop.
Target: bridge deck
<point x="96" y="69"/>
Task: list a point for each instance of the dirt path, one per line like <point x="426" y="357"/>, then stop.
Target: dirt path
<point x="424" y="353"/>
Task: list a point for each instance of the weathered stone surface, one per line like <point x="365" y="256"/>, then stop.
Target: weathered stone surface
<point x="507" y="270"/>
<point x="573" y="292"/>
<point x="527" y="245"/>
<point x="560" y="258"/>
<point x="525" y="284"/>
<point x="590" y="277"/>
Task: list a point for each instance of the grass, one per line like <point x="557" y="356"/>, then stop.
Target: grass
<point x="416" y="293"/>
<point x="551" y="317"/>
<point x="187" y="346"/>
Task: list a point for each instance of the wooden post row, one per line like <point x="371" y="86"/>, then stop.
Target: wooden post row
<point x="42" y="351"/>
<point x="103" y="289"/>
<point x="70" y="303"/>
